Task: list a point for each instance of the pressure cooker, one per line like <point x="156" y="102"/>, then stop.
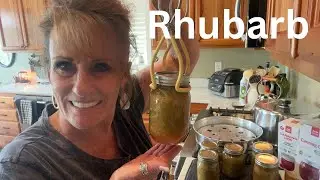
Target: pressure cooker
<point x="269" y="112"/>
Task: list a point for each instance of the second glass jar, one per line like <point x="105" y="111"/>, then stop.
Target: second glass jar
<point x="265" y="167"/>
<point x="233" y="161"/>
<point x="208" y="165"/>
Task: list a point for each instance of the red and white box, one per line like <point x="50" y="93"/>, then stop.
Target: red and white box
<point x="309" y="151"/>
<point x="288" y="143"/>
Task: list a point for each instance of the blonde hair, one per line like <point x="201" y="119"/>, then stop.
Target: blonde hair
<point x="72" y="20"/>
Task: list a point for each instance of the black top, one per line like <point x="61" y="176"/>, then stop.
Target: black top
<point x="40" y="152"/>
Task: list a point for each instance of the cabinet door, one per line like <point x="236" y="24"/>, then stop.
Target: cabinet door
<point x="159" y="32"/>
<point x="12" y="25"/>
<point x="33" y="12"/>
<point x="209" y="9"/>
<point x="313" y="13"/>
<point x="307" y="51"/>
<point x="277" y="9"/>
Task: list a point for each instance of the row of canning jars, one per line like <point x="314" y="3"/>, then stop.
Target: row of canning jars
<point x="230" y="163"/>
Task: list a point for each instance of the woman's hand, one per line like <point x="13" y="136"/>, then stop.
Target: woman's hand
<point x="157" y="159"/>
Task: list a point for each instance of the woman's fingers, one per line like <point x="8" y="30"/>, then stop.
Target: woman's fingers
<point x="164" y="150"/>
<point x="172" y="153"/>
<point x="160" y="148"/>
<point x="152" y="149"/>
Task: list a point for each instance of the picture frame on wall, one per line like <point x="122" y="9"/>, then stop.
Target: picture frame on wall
<point x="6" y="59"/>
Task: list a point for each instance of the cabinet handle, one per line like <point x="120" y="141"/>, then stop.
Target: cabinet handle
<point x="295" y="42"/>
<point x="5" y="127"/>
<point x="2" y="102"/>
<point x="3" y="115"/>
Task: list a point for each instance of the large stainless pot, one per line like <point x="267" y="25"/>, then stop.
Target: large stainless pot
<point x="226" y="129"/>
<point x="269" y="112"/>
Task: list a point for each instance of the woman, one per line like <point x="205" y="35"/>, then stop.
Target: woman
<point x="93" y="129"/>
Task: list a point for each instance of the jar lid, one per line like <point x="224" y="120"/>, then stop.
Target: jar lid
<point x="266" y="160"/>
<point x="208" y="155"/>
<point x="210" y="145"/>
<point x="262" y="147"/>
<point x="233" y="149"/>
<point x="167" y="78"/>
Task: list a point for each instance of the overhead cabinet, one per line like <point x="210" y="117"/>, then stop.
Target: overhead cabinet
<point x="19" y="24"/>
<point x="303" y="55"/>
<point x="209" y="9"/>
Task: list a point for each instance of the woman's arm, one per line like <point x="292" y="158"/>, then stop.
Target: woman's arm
<point x="171" y="62"/>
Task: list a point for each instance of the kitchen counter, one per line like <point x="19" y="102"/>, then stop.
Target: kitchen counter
<point x="199" y="92"/>
<point x="27" y="89"/>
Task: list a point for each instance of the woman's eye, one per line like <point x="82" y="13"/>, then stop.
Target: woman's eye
<point x="101" y="67"/>
<point x="65" y="68"/>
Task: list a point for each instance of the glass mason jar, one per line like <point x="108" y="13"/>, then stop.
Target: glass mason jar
<point x="233" y="160"/>
<point x="208" y="165"/>
<point x="260" y="147"/>
<point x="265" y="167"/>
<point x="169" y="109"/>
<point x="209" y="145"/>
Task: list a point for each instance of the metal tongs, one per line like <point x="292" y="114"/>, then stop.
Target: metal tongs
<point x="171" y="43"/>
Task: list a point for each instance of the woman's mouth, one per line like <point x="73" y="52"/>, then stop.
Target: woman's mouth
<point x="82" y="105"/>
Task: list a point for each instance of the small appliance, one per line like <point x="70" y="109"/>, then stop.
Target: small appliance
<point x="226" y="83"/>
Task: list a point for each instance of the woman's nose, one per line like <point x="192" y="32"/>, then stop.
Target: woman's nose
<point x="82" y="85"/>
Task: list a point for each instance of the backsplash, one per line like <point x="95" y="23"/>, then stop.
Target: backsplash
<point x="303" y="87"/>
<point x="308" y="90"/>
<point x="21" y="63"/>
<point x="230" y="58"/>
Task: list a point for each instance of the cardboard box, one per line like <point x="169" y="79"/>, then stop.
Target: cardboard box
<point x="308" y="158"/>
<point x="288" y="143"/>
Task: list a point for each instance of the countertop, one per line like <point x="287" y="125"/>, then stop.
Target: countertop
<point x="199" y="92"/>
<point x="27" y="89"/>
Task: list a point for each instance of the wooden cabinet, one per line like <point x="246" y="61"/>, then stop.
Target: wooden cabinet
<point x="12" y="25"/>
<point x="19" y="24"/>
<point x="277" y="9"/>
<point x="300" y="54"/>
<point x="209" y="9"/>
<point x="9" y="122"/>
<point x="159" y="32"/>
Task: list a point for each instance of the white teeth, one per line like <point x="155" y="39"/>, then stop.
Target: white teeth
<point x="84" y="105"/>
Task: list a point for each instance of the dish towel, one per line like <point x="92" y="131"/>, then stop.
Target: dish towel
<point x="26" y="111"/>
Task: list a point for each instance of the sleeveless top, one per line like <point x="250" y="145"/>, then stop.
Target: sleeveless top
<point x="40" y="152"/>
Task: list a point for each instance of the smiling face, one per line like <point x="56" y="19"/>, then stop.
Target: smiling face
<point x="88" y="66"/>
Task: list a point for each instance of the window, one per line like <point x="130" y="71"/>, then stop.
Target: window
<point x="140" y="23"/>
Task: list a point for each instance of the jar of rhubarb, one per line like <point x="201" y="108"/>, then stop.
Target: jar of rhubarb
<point x="208" y="165"/>
<point x="169" y="109"/>
<point x="308" y="170"/>
<point x="265" y="167"/>
<point x="209" y="145"/>
<point x="260" y="147"/>
<point x="233" y="161"/>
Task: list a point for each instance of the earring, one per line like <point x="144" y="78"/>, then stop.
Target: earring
<point x="55" y="105"/>
<point x="124" y="102"/>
